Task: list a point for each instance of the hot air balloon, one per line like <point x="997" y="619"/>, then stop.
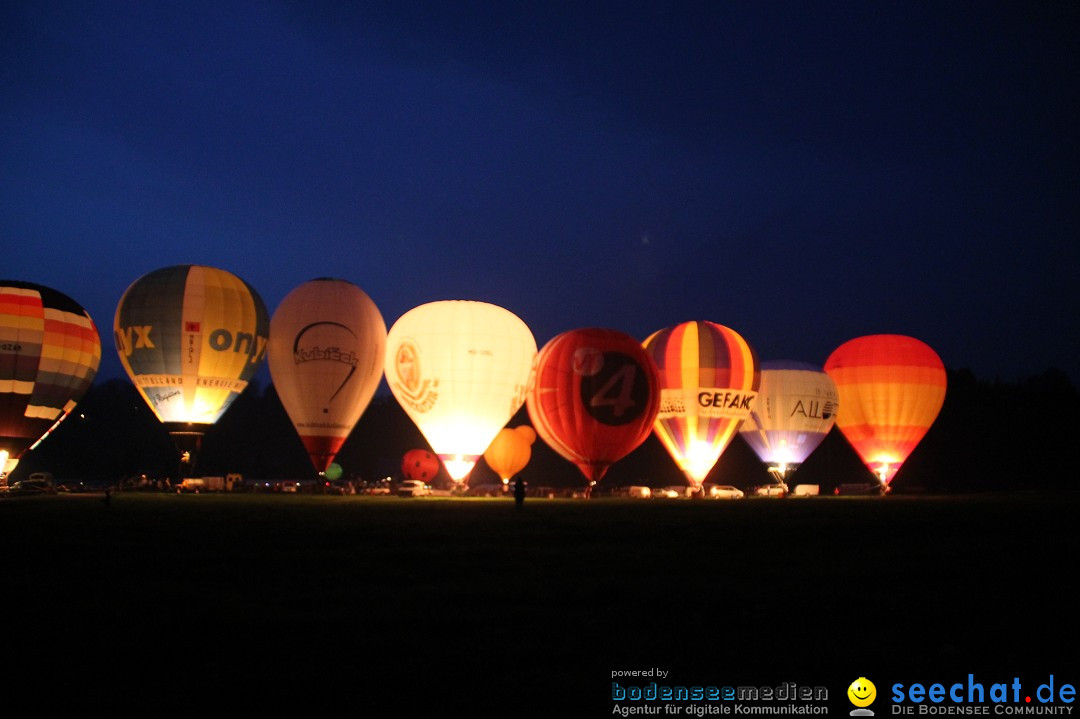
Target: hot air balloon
<point x="459" y="369"/>
<point x="510" y="451"/>
<point x="420" y="464"/>
<point x="594" y="397"/>
<point x="326" y="350"/>
<point x="708" y="385"/>
<point x="794" y="410"/>
<point x="49" y="354"/>
<point x="891" y="389"/>
<point x="190" y="338"/>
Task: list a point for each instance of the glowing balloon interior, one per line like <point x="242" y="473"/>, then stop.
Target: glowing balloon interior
<point x="795" y="409"/>
<point x="325" y="354"/>
<point x="49" y="354"/>
<point x="460" y="370"/>
<point x="891" y="390"/>
<point x="510" y="451"/>
<point x="594" y="397"/>
<point x="708" y="385"/>
<point x="190" y="338"/>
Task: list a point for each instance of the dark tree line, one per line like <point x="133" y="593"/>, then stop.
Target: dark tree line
<point x="989" y="435"/>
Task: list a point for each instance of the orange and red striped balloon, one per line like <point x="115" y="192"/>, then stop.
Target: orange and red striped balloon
<point x="708" y="382"/>
<point x="49" y="354"/>
<point x="891" y="389"/>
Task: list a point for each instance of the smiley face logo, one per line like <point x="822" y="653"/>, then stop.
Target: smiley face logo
<point x="862" y="692"/>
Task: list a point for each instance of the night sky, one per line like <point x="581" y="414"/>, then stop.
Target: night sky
<point x="801" y="172"/>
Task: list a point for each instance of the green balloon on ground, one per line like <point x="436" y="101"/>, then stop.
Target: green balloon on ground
<point x="333" y="471"/>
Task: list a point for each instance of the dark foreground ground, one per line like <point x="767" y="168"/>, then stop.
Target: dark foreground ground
<point x="426" y="607"/>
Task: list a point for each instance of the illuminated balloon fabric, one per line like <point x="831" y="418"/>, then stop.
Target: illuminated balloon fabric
<point x="49" y="354"/>
<point x="594" y="397"/>
<point x="459" y="369"/>
<point x="419" y="464"/>
<point x="510" y="451"/>
<point x="325" y="354"/>
<point x="708" y="384"/>
<point x="794" y="410"/>
<point x="190" y="338"/>
<point x="891" y="389"/>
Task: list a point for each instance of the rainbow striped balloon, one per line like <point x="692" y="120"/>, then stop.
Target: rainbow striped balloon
<point x="708" y="383"/>
<point x="891" y="389"/>
<point x="49" y="354"/>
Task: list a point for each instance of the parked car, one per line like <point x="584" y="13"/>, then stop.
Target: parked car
<point x="722" y="491"/>
<point x="413" y="488"/>
<point x="33" y="485"/>
<point x="664" y="493"/>
<point x="770" y="490"/>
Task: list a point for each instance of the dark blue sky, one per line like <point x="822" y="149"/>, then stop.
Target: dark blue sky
<point x="801" y="172"/>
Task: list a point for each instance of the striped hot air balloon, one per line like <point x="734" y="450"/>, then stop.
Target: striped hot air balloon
<point x="795" y="409"/>
<point x="891" y="389"/>
<point x="708" y="385"/>
<point x="49" y="354"/>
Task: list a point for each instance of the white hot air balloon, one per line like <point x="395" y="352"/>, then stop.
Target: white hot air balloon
<point x="795" y="408"/>
<point x="460" y="369"/>
<point x="325" y="353"/>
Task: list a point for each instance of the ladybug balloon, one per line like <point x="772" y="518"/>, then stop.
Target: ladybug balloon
<point x="420" y="464"/>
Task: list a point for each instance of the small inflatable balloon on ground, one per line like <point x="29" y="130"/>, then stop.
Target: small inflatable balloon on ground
<point x="891" y="389"/>
<point x="325" y="354"/>
<point x="191" y="338"/>
<point x="460" y="370"/>
<point x="795" y="409"/>
<point x="510" y="451"/>
<point x="708" y="385"/>
<point x="420" y="464"/>
<point x="49" y="354"/>
<point x="594" y="398"/>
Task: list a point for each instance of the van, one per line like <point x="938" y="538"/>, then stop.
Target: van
<point x="413" y="488"/>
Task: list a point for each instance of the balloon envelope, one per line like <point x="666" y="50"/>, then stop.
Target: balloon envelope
<point x="325" y="354"/>
<point x="795" y="408"/>
<point x="459" y="369"/>
<point x="190" y="337"/>
<point x="49" y="354"/>
<point x="419" y="464"/>
<point x="594" y="397"/>
<point x="891" y="389"/>
<point x="510" y="451"/>
<point x="708" y="385"/>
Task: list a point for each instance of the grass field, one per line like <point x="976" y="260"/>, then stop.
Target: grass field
<point x="379" y="601"/>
